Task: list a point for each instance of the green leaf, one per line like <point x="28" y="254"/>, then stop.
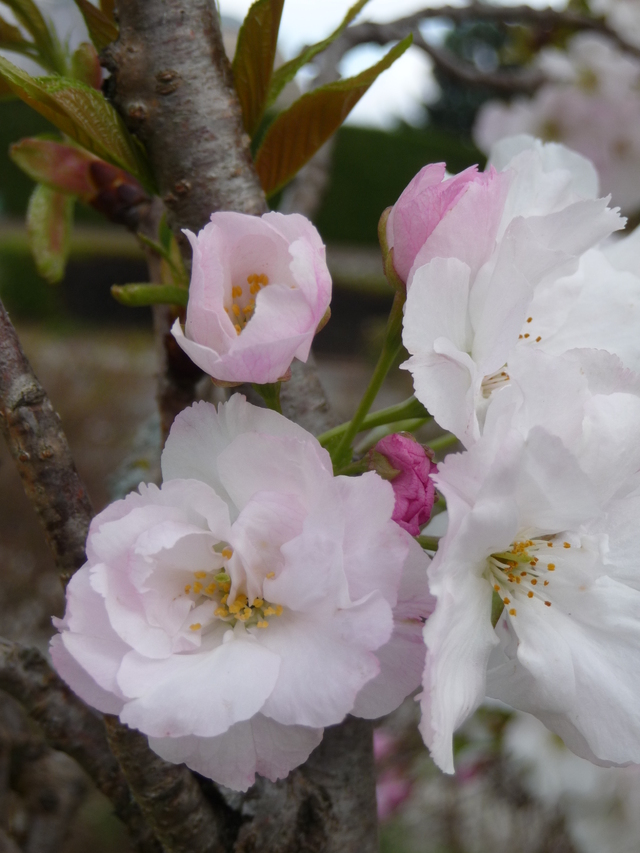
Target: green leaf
<point x="83" y="114"/>
<point x="49" y="219"/>
<point x="253" y="62"/>
<point x="138" y="295"/>
<point x="297" y="133"/>
<point x="286" y="73"/>
<point x="102" y="29"/>
<point x="44" y="37"/>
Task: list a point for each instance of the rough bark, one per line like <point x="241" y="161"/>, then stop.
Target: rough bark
<point x="39" y="447"/>
<point x="172" y="83"/>
<point x="170" y="797"/>
<point x="71" y="727"/>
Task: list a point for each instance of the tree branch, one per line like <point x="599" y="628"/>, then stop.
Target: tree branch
<point x="519" y="80"/>
<point x="172" y="84"/>
<point x="71" y="727"/>
<point x="39" y="447"/>
<point x="170" y="797"/>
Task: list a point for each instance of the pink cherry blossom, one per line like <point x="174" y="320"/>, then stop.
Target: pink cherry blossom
<point x="428" y="199"/>
<point x="248" y="602"/>
<point x="259" y="289"/>
<point x="412" y="484"/>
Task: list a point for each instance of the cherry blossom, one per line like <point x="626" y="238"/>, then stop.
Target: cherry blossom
<point x="247" y="603"/>
<point x="543" y="524"/>
<point x="470" y="304"/>
<point x="260" y="287"/>
<point x="590" y="103"/>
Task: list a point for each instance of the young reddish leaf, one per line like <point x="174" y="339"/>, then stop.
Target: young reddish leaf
<point x="138" y="295"/>
<point x="253" y="62"/>
<point x="49" y="218"/>
<point x="85" y="65"/>
<point x="45" y="39"/>
<point x="102" y="28"/>
<point x="61" y="167"/>
<point x="10" y="35"/>
<point x="83" y="114"/>
<point x="107" y="8"/>
<point x="286" y="73"/>
<point x="297" y="133"/>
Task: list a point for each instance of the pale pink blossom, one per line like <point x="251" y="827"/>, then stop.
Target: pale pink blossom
<point x="248" y="602"/>
<point x="410" y="475"/>
<point x="260" y="288"/>
<point x="430" y="198"/>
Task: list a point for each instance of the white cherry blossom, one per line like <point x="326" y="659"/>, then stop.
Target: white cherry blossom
<point x="463" y="319"/>
<point x="543" y="523"/>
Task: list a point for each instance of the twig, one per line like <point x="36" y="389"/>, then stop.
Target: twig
<point x="72" y="728"/>
<point x="39" y="447"/>
<point x="518" y="80"/>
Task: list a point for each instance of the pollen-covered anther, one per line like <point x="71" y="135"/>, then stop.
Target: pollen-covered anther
<point x="199" y="575"/>
<point x="197" y="587"/>
<point x="195" y="627"/>
<point x="512" y="612"/>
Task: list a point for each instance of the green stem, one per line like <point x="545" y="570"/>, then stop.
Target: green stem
<point x="390" y="349"/>
<point x="410" y="408"/>
<point x="270" y="393"/>
<point x="430" y="543"/>
<point x="442" y="442"/>
<point x="409" y="425"/>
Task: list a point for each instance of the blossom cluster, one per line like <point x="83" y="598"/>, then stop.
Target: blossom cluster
<point x="258" y="596"/>
<point x="590" y="102"/>
<point x="522" y="325"/>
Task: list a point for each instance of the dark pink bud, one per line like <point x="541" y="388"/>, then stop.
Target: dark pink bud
<point x="400" y="459"/>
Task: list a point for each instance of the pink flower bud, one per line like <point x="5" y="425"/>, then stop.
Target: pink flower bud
<point x="428" y="199"/>
<point x="400" y="459"/>
<point x="259" y="289"/>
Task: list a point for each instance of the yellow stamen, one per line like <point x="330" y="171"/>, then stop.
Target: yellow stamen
<point x="262" y="624"/>
<point x="496" y="587"/>
<point x="187" y="588"/>
<point x="271" y="575"/>
<point x="529" y="594"/>
<point x="200" y="575"/>
<point x="552" y="567"/>
<point x="512" y="612"/>
<point x="236" y="291"/>
<point x="227" y="553"/>
<point x="236" y="309"/>
<point x="221" y="611"/>
<point x="279" y="609"/>
<point x="269" y="611"/>
<point x="566" y="545"/>
<point x="507" y="600"/>
<point x="258" y="602"/>
<point x="548" y="603"/>
<point x="235" y="607"/>
<point x="237" y="328"/>
<point x="210" y="589"/>
<point x="196" y="626"/>
<point x="197" y="587"/>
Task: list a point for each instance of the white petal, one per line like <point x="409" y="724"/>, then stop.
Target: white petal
<point x="258" y="745"/>
<point x="201" y="694"/>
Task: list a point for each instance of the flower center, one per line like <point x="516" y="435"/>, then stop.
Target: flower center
<point x="244" y="300"/>
<point x="523" y="572"/>
<point x="215" y="585"/>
